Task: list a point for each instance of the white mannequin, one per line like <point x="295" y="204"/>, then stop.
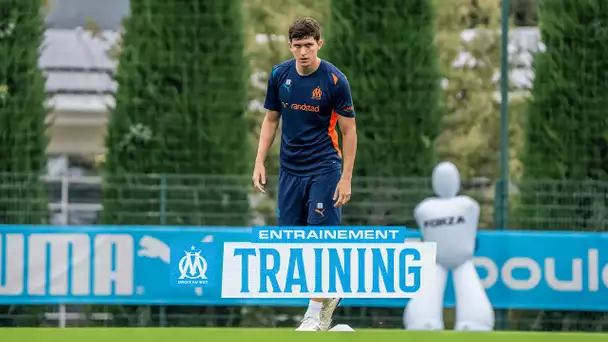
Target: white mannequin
<point x="451" y="221"/>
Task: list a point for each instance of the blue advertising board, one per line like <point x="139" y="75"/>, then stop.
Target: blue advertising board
<point x="135" y="265"/>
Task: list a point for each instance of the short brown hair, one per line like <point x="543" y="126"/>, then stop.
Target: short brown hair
<point x="304" y="28"/>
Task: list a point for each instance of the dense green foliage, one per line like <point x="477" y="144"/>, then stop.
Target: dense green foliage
<point x="23" y="137"/>
<point x="567" y="120"/>
<point x="386" y="50"/>
<point x="565" y="159"/>
<point x="179" y="117"/>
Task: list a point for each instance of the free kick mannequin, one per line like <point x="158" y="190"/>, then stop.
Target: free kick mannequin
<point x="451" y="221"/>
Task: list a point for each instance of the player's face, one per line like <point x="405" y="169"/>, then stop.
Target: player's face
<point x="305" y="50"/>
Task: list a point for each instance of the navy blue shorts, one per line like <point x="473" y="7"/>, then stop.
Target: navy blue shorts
<point x="308" y="200"/>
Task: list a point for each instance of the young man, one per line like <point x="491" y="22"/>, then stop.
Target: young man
<point x="311" y="96"/>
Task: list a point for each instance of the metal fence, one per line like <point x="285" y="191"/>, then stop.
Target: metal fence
<point x="554" y="205"/>
<point x="384" y="201"/>
<point x="77" y="201"/>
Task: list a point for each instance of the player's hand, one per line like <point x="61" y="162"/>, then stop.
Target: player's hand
<point x="259" y="176"/>
<point x="342" y="194"/>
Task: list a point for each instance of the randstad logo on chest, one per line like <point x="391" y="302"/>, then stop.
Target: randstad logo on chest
<point x="306" y="108"/>
<point x="327" y="262"/>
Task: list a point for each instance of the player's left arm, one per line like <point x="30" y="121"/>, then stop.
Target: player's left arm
<point x="343" y="106"/>
<point x="348" y="127"/>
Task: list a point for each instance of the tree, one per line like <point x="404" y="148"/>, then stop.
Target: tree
<point x="176" y="135"/>
<point x="386" y="50"/>
<point x="469" y="37"/>
<point x="566" y="129"/>
<point x="23" y="113"/>
<point x="565" y="159"/>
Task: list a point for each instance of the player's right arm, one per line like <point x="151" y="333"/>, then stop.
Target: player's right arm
<point x="267" y="132"/>
<point x="267" y="135"/>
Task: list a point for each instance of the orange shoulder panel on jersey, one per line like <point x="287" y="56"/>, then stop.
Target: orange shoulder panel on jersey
<point x="335" y="78"/>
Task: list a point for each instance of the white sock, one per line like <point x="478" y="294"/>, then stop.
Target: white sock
<point x="314" y="309"/>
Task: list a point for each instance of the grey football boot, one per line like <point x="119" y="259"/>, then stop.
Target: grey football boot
<point x="327" y="312"/>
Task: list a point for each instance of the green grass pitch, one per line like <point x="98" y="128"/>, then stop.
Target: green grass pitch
<point x="275" y="335"/>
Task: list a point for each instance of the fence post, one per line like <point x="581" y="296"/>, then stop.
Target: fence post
<point x="163" y="220"/>
<point x="65" y="212"/>
<point x="504" y="114"/>
<point x="503" y="191"/>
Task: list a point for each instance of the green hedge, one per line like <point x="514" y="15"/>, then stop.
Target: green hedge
<point x="566" y="146"/>
<point x="23" y="139"/>
<point x="179" y="117"/>
<point x="567" y="120"/>
<point x="386" y="50"/>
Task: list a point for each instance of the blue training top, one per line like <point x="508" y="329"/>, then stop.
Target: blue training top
<point x="309" y="107"/>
